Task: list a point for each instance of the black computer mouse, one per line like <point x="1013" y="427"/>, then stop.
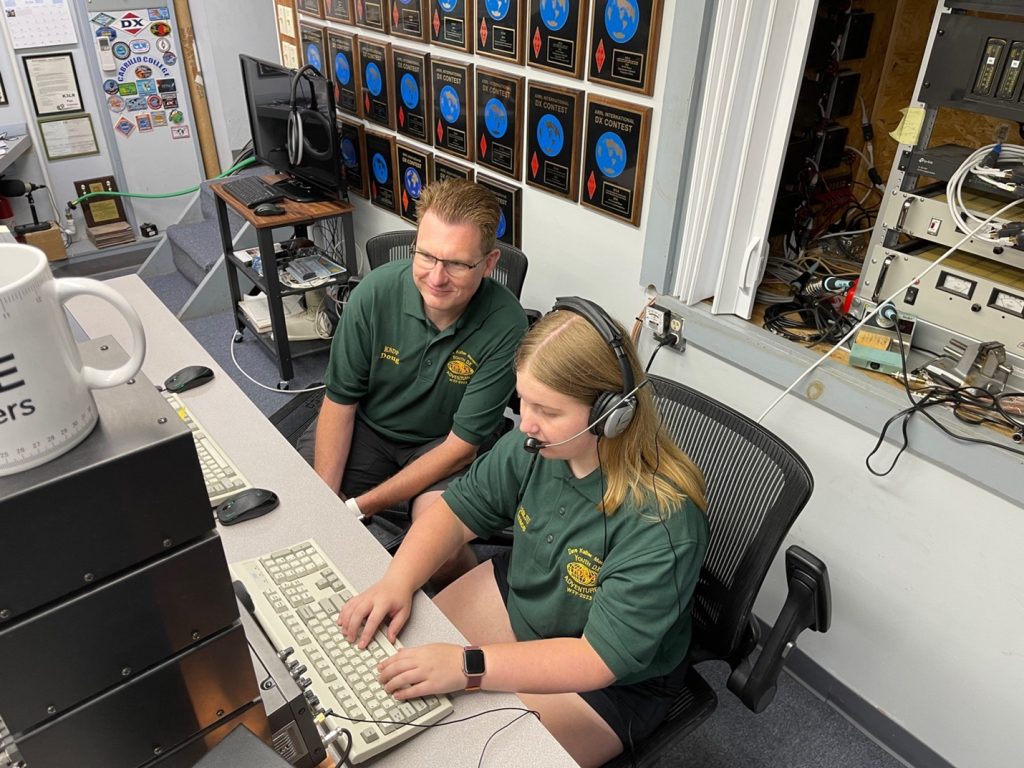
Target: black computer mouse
<point x="268" y="209"/>
<point x="188" y="377"/>
<point x="247" y="505"/>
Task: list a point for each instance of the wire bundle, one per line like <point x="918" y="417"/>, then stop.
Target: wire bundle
<point x="1000" y="166"/>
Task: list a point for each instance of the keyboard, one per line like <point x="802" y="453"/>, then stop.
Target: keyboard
<point x="222" y="477"/>
<point x="252" y="190"/>
<point x="297" y="593"/>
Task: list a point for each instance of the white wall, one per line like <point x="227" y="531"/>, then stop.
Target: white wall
<point x="926" y="573"/>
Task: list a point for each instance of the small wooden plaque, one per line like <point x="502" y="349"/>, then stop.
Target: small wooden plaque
<point x="624" y="44"/>
<point x="341" y="55"/>
<point x="413" y="176"/>
<point x="499" y="29"/>
<point x="312" y="7"/>
<point x="372" y="14"/>
<point x="555" y="32"/>
<point x="449" y="24"/>
<point x="380" y="164"/>
<point x="409" y="18"/>
<point x="376" y="76"/>
<point x="338" y="10"/>
<point x="353" y="156"/>
<point x="615" y="158"/>
<point x="510" y="198"/>
<point x="311" y="45"/>
<point x="451" y="84"/>
<point x="412" y="94"/>
<point x="499" y="99"/>
<point x="449" y="169"/>
<point x="553" y="128"/>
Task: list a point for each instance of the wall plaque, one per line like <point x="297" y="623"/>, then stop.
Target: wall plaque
<point x="409" y="18"/>
<point x="338" y="10"/>
<point x="413" y="175"/>
<point x="412" y="94"/>
<point x="353" y="156"/>
<point x="449" y="24"/>
<point x="449" y="169"/>
<point x="499" y="29"/>
<point x="615" y="158"/>
<point x="556" y="30"/>
<point x="376" y="77"/>
<point x="341" y="56"/>
<point x="510" y="198"/>
<point x="311" y="44"/>
<point x="499" y="99"/>
<point x="553" y="125"/>
<point x="312" y="7"/>
<point x="380" y="163"/>
<point x="624" y="43"/>
<point x="371" y="14"/>
<point x="452" y="102"/>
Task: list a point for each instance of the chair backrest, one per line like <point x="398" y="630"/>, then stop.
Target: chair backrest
<point x="392" y="246"/>
<point x="756" y="486"/>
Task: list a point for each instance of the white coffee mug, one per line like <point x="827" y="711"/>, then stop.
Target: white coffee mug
<point x="46" y="402"/>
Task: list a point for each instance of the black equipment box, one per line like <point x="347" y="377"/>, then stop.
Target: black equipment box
<point x="130" y="491"/>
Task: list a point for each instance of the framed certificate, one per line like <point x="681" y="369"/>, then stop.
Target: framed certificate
<point x="449" y="24"/>
<point x="341" y="55"/>
<point x="380" y="161"/>
<point x="68" y="136"/>
<point x="375" y="68"/>
<point x="449" y="169"/>
<point x="624" y="38"/>
<point x="311" y="43"/>
<point x="615" y="158"/>
<point x="353" y="155"/>
<point x="413" y="176"/>
<point x="312" y="7"/>
<point x="338" y="10"/>
<point x="556" y="29"/>
<point x="412" y="94"/>
<point x="372" y="14"/>
<point x="285" y="14"/>
<point x="553" y="123"/>
<point x="53" y="83"/>
<point x="3" y="93"/>
<point x="499" y="99"/>
<point x="409" y="18"/>
<point x="510" y="198"/>
<point x="452" y="102"/>
<point x="499" y="29"/>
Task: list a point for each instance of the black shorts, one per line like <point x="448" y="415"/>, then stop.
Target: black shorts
<point x="633" y="711"/>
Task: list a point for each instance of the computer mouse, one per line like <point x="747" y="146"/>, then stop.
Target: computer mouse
<point x="268" y="209"/>
<point x="248" y="504"/>
<point x="188" y="377"/>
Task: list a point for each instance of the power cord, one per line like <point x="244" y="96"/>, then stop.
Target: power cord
<point x="236" y="336"/>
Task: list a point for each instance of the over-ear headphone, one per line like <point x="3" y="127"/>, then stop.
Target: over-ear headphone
<point x="612" y="412"/>
<point x="298" y="144"/>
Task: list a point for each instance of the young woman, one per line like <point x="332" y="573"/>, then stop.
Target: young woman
<point x="588" y="618"/>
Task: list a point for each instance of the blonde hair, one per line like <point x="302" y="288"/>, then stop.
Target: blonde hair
<point x="457" y="201"/>
<point x="565" y="352"/>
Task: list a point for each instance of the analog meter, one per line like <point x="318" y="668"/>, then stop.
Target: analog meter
<point x="1007" y="302"/>
<point x="958" y="286"/>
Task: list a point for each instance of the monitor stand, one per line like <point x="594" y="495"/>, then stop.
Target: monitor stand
<point x="298" y="191"/>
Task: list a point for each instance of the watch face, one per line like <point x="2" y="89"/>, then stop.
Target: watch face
<point x="473" y="659"/>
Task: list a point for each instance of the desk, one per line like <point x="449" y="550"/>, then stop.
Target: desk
<point x="310" y="510"/>
<point x="298" y="215"/>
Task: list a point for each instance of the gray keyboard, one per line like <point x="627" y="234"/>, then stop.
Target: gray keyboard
<point x="223" y="479"/>
<point x="297" y="593"/>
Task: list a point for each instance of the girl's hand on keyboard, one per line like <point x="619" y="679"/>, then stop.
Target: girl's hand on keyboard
<point x="427" y="669"/>
<point x="384" y="600"/>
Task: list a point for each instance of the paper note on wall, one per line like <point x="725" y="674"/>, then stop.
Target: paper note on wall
<point x="909" y="129"/>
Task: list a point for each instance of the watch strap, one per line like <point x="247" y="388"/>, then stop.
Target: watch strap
<point x="473" y="681"/>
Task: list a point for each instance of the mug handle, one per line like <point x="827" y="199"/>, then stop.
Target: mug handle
<point x="101" y="378"/>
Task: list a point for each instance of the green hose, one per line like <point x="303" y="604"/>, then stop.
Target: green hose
<point x="88" y="195"/>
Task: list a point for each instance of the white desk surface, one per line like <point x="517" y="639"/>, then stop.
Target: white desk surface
<point x="309" y="510"/>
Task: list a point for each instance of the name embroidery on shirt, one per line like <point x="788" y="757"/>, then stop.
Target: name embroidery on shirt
<point x="581" y="573"/>
<point x="522" y="519"/>
<point x="461" y="367"/>
<point x="391" y="354"/>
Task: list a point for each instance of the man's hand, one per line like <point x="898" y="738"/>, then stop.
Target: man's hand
<point x="435" y="668"/>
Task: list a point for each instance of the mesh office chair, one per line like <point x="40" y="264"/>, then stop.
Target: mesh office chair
<point x="756" y="486"/>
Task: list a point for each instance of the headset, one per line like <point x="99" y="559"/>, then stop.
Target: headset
<point x="298" y="143"/>
<point x="612" y="412"/>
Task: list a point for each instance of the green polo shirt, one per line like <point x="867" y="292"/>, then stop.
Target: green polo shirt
<point x="632" y="601"/>
<point x="412" y="382"/>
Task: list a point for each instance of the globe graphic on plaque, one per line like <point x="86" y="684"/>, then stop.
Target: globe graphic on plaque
<point x="374" y="82"/>
<point x="621" y="18"/>
<point x="502" y="225"/>
<point x="496" y="118"/>
<point x="313" y="55"/>
<point x="380" y="168"/>
<point x="497" y="9"/>
<point x="554" y="13"/>
<point x="349" y="155"/>
<point x="450" y="107"/>
<point x="447" y="5"/>
<point x="611" y="154"/>
<point x="413" y="183"/>
<point x="342" y="68"/>
<point x="550" y="136"/>
<point x="410" y="91"/>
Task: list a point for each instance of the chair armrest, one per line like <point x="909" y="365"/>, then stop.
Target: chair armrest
<point x="808" y="606"/>
<point x="532" y="316"/>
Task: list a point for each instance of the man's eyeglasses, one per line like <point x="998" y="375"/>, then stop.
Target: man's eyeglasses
<point x="453" y="268"/>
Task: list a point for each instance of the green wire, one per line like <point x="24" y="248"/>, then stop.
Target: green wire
<point x="190" y="190"/>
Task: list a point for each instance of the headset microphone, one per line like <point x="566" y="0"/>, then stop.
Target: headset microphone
<point x="533" y="445"/>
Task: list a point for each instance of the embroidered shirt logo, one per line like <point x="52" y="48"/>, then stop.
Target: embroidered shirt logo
<point x="581" y="573"/>
<point x="390" y="353"/>
<point x="522" y="519"/>
<point x="461" y="367"/>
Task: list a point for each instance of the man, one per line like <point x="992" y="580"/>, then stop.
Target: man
<point x="421" y="364"/>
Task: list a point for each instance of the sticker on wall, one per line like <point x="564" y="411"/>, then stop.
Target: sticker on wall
<point x="170" y="58"/>
<point x="166" y="85"/>
<point x="110" y="87"/>
<point x="153" y="102"/>
<point x="179" y="131"/>
<point x="170" y="101"/>
<point x="121" y="50"/>
<point x="142" y="72"/>
<point x="144" y="123"/>
<point x="102" y="19"/>
<point x="131" y="23"/>
<point x="163" y="44"/>
<point x="125" y="127"/>
<point x="160" y="29"/>
<point x="116" y="103"/>
<point x="106" y="32"/>
<point x="139" y="46"/>
<point x="176" y="116"/>
<point x="159" y="119"/>
<point x="146" y="87"/>
<point x="136" y="103"/>
<point x="126" y="89"/>
<point x="158" y="14"/>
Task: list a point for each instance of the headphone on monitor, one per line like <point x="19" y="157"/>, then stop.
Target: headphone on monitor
<point x="298" y="143"/>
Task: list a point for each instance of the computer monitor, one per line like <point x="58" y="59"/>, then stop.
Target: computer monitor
<point x="315" y="161"/>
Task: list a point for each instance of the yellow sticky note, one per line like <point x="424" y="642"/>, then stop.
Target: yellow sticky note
<point x="909" y="128"/>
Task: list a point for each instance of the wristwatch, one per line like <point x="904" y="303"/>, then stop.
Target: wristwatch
<point x="473" y="666"/>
